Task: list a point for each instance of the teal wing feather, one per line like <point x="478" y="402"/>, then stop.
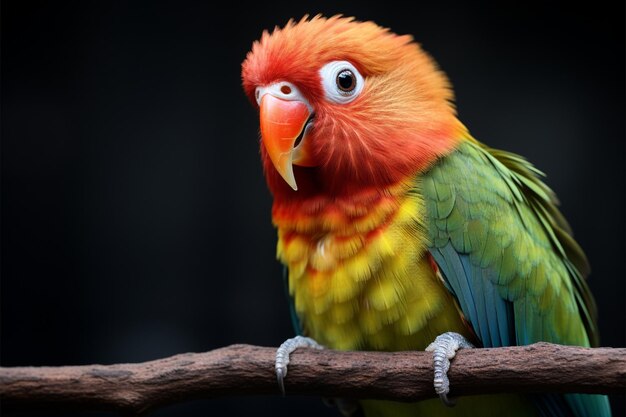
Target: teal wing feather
<point x="295" y="320"/>
<point x="507" y="255"/>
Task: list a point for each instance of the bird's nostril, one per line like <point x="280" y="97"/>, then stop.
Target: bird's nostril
<point x="285" y="89"/>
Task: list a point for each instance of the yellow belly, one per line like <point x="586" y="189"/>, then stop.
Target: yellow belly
<point x="360" y="277"/>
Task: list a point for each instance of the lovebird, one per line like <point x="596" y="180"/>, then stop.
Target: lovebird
<point x="400" y="231"/>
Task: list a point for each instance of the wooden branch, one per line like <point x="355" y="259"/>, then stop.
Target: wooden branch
<point x="246" y="370"/>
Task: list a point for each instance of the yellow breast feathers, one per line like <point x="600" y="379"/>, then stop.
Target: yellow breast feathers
<point x="358" y="271"/>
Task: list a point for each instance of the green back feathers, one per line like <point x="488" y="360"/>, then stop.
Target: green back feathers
<point x="491" y="206"/>
<point x="543" y="202"/>
<point x="507" y="254"/>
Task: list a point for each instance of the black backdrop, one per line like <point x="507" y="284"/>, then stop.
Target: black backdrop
<point x="135" y="219"/>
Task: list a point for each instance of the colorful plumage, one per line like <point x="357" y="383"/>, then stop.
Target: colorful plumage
<point x="396" y="225"/>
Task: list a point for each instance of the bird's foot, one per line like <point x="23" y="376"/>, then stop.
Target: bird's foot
<point x="444" y="349"/>
<point x="283" y="352"/>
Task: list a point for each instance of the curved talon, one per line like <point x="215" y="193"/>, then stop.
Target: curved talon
<point x="282" y="356"/>
<point x="444" y="349"/>
<point x="280" y="375"/>
<point x="447" y="401"/>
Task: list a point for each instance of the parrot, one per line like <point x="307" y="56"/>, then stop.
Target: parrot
<point x="397" y="229"/>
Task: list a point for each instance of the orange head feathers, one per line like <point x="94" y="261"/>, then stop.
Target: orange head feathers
<point x="346" y="106"/>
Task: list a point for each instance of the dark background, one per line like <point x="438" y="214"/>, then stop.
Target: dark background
<point x="135" y="218"/>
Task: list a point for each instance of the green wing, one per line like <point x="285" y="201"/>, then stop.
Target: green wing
<point x="507" y="254"/>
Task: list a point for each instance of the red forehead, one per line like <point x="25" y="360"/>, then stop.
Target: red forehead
<point x="296" y="52"/>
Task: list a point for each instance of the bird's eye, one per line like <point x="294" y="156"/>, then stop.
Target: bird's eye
<point x="346" y="81"/>
<point x="342" y="82"/>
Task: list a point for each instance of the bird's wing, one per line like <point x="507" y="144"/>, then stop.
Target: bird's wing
<point x="506" y="253"/>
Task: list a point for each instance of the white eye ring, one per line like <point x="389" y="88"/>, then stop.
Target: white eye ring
<point x="331" y="79"/>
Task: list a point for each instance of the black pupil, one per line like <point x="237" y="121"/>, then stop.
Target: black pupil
<point x="346" y="80"/>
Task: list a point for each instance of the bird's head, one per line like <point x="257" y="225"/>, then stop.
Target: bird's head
<point x="346" y="105"/>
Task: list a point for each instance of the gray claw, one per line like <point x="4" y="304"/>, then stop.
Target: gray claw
<point x="283" y="352"/>
<point x="280" y="376"/>
<point x="446" y="401"/>
<point x="444" y="349"/>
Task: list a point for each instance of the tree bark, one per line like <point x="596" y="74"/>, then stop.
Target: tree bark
<point x="249" y="370"/>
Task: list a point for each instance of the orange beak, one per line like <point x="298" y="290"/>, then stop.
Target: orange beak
<point x="282" y="123"/>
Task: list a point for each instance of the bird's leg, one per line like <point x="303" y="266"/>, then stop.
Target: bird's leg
<point x="444" y="349"/>
<point x="283" y="352"/>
